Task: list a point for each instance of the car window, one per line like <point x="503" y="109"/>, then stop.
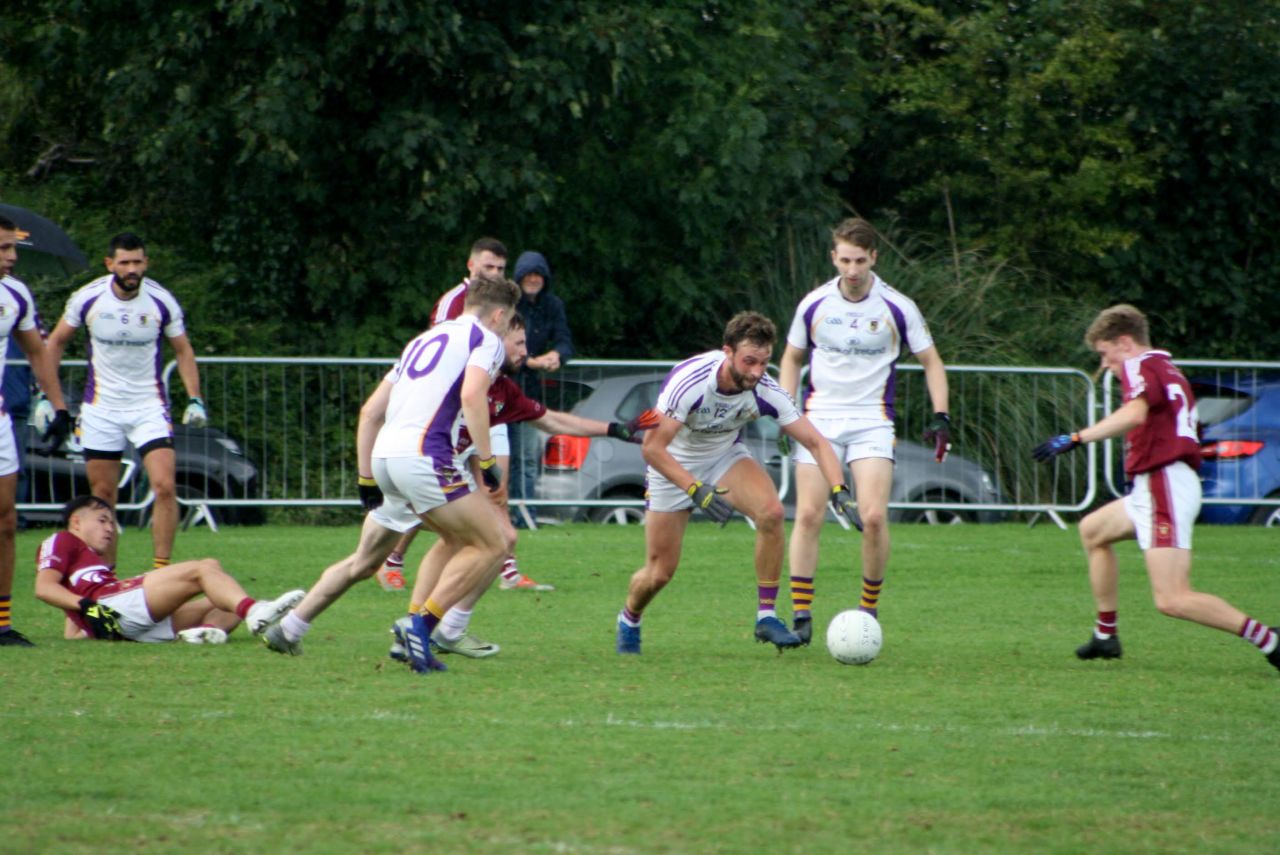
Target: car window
<point x="562" y="395"/>
<point x="641" y="397"/>
<point x="1214" y="405"/>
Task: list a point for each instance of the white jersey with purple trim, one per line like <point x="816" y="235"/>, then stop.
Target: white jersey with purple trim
<point x="425" y="408"/>
<point x="854" y="346"/>
<point x="17" y="312"/>
<point x="713" y="420"/>
<point x="126" y="339"/>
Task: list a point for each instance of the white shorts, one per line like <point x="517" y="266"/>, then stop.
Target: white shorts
<point x="661" y="495"/>
<point x="851" y="439"/>
<point x="8" y="448"/>
<point x="412" y="486"/>
<point x="499" y="444"/>
<point x="136" y="623"/>
<point x="1163" y="506"/>
<point x="103" y="429"/>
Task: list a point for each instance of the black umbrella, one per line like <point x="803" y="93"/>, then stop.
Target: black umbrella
<point x="43" y="247"/>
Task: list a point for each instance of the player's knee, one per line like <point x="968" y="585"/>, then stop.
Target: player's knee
<point x="810" y="518"/>
<point x="1171" y="604"/>
<point x="164" y="490"/>
<point x="8" y="521"/>
<point x="208" y="565"/>
<point x="769" y="517"/>
<point x="658" y="574"/>
<point x="874" y="520"/>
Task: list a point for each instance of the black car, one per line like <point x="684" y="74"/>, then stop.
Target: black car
<point x="209" y="465"/>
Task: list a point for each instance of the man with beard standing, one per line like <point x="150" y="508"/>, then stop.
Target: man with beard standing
<point x="127" y="317"/>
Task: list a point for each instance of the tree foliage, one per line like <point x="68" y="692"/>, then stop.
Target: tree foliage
<point x="319" y="169"/>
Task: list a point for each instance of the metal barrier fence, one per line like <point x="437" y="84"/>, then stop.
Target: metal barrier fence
<point x="1242" y="471"/>
<point x="293" y="420"/>
<point x="283" y="436"/>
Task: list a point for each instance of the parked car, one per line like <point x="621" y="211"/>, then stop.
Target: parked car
<point x="1239" y="414"/>
<point x="209" y="464"/>
<point x="576" y="468"/>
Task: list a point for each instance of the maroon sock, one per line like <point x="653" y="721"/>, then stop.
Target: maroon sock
<point x="242" y="607"/>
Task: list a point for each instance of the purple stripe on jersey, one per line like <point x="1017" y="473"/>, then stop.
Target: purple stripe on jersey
<point x="676" y="370"/>
<point x="159" y="369"/>
<point x="90" y="378"/>
<point x="477" y="337"/>
<point x="695" y="377"/>
<point x="900" y="320"/>
<point x="813" y="388"/>
<point x="890" y="386"/>
<point x="84" y="311"/>
<point x="808" y="321"/>
<point x="453" y="485"/>
<point x="23" y="308"/>
<point x="766" y="409"/>
<point x="437" y="436"/>
<point x="165" y="315"/>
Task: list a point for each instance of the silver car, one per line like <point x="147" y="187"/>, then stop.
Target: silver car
<point x="601" y="469"/>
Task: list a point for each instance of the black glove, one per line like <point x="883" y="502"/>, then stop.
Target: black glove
<point x="103" y="621"/>
<point x="938" y="434"/>
<point x="491" y="472"/>
<point x="709" y="498"/>
<point x="370" y="493"/>
<point x="1051" y="448"/>
<point x="844" y="505"/>
<point x="631" y="431"/>
<point x="56" y="433"/>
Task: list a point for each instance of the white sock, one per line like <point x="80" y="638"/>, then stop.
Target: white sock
<point x="293" y="626"/>
<point x="761" y="614"/>
<point x="454" y="624"/>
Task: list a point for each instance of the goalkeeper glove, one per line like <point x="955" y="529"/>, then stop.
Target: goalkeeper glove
<point x="56" y="433"/>
<point x="1060" y="444"/>
<point x="938" y="434"/>
<point x="844" y="505"/>
<point x="710" y="499"/>
<point x="103" y="621"/>
<point x="491" y="472"/>
<point x="195" y="414"/>
<point x="370" y="493"/>
<point x="631" y="430"/>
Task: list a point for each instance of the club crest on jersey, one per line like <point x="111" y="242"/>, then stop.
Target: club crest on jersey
<point x="5" y="311"/>
<point x="873" y="325"/>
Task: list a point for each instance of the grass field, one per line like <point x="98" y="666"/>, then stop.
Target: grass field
<point x="975" y="731"/>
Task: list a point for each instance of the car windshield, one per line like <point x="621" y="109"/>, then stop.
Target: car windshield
<point x="641" y="397"/>
<point x="1215" y="405"/>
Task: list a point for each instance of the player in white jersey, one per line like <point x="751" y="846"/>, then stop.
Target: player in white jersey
<point x="405" y="444"/>
<point x="696" y="459"/>
<point x="20" y="321"/>
<point x="128" y="317"/>
<point x="855" y="328"/>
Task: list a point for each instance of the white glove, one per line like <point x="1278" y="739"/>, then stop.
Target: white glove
<point x="195" y="416"/>
<point x="42" y="413"/>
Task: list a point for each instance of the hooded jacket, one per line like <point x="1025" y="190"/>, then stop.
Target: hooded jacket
<point x="546" y="326"/>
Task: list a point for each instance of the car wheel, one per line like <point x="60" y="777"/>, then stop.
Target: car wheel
<point x="933" y="516"/>
<point x="626" y="515"/>
<point x="1266" y="515"/>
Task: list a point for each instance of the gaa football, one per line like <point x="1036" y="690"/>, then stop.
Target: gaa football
<point x="853" y="637"/>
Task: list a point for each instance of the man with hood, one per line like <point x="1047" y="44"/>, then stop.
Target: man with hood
<point x="550" y="340"/>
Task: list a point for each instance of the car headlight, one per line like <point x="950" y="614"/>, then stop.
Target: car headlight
<point x="230" y="445"/>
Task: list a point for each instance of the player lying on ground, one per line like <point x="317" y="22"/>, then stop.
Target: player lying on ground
<point x="507" y="405"/>
<point x="696" y="460"/>
<point x="72" y="575"/>
<point x="1162" y="454"/>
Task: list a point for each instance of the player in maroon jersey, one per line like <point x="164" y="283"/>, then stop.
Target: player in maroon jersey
<point x="1162" y="455"/>
<point x="73" y="575"/>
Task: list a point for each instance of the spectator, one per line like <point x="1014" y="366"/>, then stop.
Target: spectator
<point x="549" y="338"/>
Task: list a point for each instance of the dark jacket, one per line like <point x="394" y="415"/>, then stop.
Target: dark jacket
<point x="546" y="327"/>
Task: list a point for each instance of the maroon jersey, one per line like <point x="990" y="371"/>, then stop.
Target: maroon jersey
<point x="1169" y="434"/>
<point x="449" y="306"/>
<point x="84" y="571"/>
<point x="507" y="404"/>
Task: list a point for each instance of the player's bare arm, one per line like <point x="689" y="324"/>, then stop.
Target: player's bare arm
<point x="656" y="454"/>
<point x="935" y="378"/>
<point x="475" y="408"/>
<point x="58" y="340"/>
<point x="803" y="432"/>
<point x="555" y="421"/>
<point x="372" y="415"/>
<point x="789" y="371"/>
<point x="185" y="356"/>
<point x="1118" y="423"/>
<point x="49" y="589"/>
<point x="42" y="365"/>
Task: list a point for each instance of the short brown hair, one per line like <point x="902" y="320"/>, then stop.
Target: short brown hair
<point x="1121" y="319"/>
<point x="491" y="292"/>
<point x="855" y="231"/>
<point x="750" y="326"/>
<point x="489" y="244"/>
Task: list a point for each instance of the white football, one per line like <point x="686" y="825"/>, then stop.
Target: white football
<point x="854" y="638"/>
